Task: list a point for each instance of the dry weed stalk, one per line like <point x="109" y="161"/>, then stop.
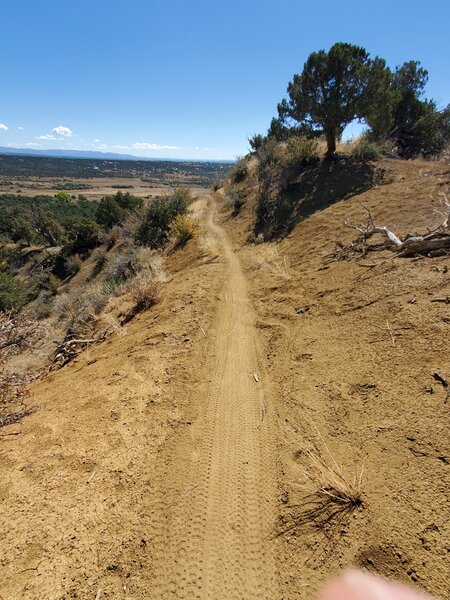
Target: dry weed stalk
<point x="17" y="332"/>
<point x="269" y="259"/>
<point x="329" y="495"/>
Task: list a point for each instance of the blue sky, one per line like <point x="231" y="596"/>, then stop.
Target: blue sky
<point x="189" y="79"/>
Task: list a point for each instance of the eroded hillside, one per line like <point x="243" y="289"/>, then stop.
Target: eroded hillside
<point x="278" y="401"/>
<point x="355" y="350"/>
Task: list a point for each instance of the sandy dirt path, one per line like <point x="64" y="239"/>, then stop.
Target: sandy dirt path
<point x="218" y="538"/>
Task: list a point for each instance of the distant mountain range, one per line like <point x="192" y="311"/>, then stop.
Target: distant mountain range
<point x="95" y="155"/>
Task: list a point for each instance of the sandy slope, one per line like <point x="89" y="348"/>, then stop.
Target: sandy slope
<point x="156" y="466"/>
<point x="344" y="392"/>
<point x="79" y="476"/>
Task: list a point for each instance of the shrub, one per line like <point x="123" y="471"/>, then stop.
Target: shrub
<point x="256" y="141"/>
<point x="113" y="236"/>
<point x="127" y="201"/>
<point x="14" y="293"/>
<point x="122" y="265"/>
<point x="17" y="332"/>
<point x="270" y="157"/>
<point x="144" y="291"/>
<point x="109" y="213"/>
<point x="429" y="136"/>
<point x="367" y="150"/>
<point x="183" y="228"/>
<point x="100" y="258"/>
<point x="301" y="151"/>
<point x="79" y="306"/>
<point x="42" y="308"/>
<point x="239" y="172"/>
<point x="62" y="196"/>
<point x="234" y="199"/>
<point x="84" y="235"/>
<point x="53" y="283"/>
<point x="73" y="264"/>
<point x="154" y="231"/>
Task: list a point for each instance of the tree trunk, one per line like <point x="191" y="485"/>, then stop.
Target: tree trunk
<point x="331" y="141"/>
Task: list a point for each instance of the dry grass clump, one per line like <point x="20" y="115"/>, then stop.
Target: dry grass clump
<point x="134" y="271"/>
<point x="183" y="228"/>
<point x="122" y="265"/>
<point x="114" y="235"/>
<point x="268" y="260"/>
<point x="144" y="291"/>
<point x="43" y="307"/>
<point x="126" y="264"/>
<point x="100" y="258"/>
<point x="329" y="496"/>
<point x="233" y="198"/>
<point x="79" y="307"/>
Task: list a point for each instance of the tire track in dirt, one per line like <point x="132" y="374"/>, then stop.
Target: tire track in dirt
<point x="217" y="542"/>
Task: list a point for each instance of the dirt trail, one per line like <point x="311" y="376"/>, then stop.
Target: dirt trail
<point x="218" y="536"/>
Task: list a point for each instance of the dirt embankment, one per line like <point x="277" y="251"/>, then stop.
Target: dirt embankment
<point x="78" y="476"/>
<point x="353" y="347"/>
<point x="149" y="467"/>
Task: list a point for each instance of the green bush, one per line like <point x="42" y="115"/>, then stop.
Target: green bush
<point x="62" y="196"/>
<point x="14" y="293"/>
<point x="155" y="228"/>
<point x="109" y="213"/>
<point x="367" y="150"/>
<point x="42" y="308"/>
<point x="128" y="202"/>
<point x="300" y="151"/>
<point x="84" y="235"/>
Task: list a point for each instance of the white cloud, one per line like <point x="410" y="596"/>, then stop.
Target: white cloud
<point x="119" y="147"/>
<point x="32" y="144"/>
<point x="47" y="136"/>
<point x="20" y="128"/>
<point x="97" y="141"/>
<point x="3" y="126"/>
<point x="147" y="146"/>
<point x="61" y="130"/>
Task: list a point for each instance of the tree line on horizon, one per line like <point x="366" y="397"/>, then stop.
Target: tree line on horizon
<point x="345" y="84"/>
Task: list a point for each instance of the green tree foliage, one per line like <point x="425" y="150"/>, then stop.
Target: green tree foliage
<point x="278" y="130"/>
<point x="128" y="202"/>
<point x="330" y="92"/>
<point x="346" y="84"/>
<point x="14" y="293"/>
<point x="109" y="213"/>
<point x="417" y="126"/>
<point x="256" y="141"/>
<point x="83" y="234"/>
<point x="46" y="226"/>
<point x="155" y="228"/>
<point x="113" y="209"/>
<point x="63" y="196"/>
<point x="15" y="227"/>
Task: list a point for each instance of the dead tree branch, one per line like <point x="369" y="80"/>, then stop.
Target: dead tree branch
<point x="435" y="242"/>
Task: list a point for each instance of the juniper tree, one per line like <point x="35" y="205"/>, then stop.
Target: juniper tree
<point x="331" y="91"/>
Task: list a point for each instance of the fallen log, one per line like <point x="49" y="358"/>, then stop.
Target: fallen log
<point x="435" y="241"/>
